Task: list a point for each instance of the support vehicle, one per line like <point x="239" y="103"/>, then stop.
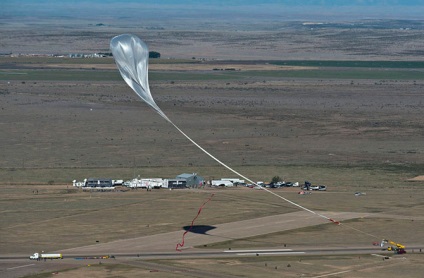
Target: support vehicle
<point x="225" y="183"/>
<point x="397" y="248"/>
<point x="44" y="256"/>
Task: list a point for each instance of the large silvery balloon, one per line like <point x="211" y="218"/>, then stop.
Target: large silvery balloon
<point x="131" y="56"/>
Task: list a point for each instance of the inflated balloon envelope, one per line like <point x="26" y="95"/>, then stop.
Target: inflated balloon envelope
<point x="131" y="55"/>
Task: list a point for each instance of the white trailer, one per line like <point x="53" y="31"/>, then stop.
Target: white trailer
<point x="134" y="183"/>
<point x="146" y="183"/>
<point x="225" y="183"/>
<point x="233" y="180"/>
<point x="152" y="183"/>
<point x="44" y="256"/>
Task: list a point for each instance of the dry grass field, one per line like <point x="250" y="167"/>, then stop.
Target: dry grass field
<point x="65" y="129"/>
<point x="58" y="218"/>
<point x="352" y="129"/>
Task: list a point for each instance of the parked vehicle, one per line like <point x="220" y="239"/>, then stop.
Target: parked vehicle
<point x="307" y="185"/>
<point x="276" y="184"/>
<point x="322" y="188"/>
<point x="225" y="183"/>
<point x="234" y="181"/>
<point x="397" y="248"/>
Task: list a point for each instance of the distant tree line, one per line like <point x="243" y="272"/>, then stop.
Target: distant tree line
<point x="152" y="54"/>
<point x="106" y="54"/>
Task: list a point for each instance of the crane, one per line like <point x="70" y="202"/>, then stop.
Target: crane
<point x="395" y="247"/>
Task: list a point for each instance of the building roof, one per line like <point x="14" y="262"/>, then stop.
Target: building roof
<point x="186" y="176"/>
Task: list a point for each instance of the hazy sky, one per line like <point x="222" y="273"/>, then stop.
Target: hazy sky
<point x="283" y="9"/>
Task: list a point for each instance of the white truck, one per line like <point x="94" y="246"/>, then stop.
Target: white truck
<point x="234" y="180"/>
<point x="44" y="256"/>
<point x="225" y="183"/>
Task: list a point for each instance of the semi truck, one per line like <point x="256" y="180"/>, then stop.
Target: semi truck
<point x="44" y="256"/>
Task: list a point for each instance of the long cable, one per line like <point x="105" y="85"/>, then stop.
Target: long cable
<point x="265" y="189"/>
<point x="246" y="178"/>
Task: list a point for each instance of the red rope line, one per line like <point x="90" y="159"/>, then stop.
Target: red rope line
<point x="179" y="245"/>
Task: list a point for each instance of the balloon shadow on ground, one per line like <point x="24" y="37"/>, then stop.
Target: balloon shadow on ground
<point x="204" y="229"/>
<point x="199" y="229"/>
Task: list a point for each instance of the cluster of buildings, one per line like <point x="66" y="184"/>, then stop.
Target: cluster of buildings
<point x="71" y="55"/>
<point x="91" y="55"/>
<point x="181" y="181"/>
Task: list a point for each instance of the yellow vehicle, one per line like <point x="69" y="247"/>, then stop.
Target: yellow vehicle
<point x="395" y="247"/>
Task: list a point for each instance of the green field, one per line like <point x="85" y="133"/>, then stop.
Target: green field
<point x="59" y="75"/>
<point x="378" y="70"/>
<point x="333" y="73"/>
<point x="87" y="75"/>
<point x="354" y="64"/>
<point x="303" y="63"/>
<point x="43" y="60"/>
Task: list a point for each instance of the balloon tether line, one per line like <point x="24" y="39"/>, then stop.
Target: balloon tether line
<point x="261" y="187"/>
<point x="246" y="178"/>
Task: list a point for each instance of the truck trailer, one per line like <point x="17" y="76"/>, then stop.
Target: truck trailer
<point x="225" y="183"/>
<point x="44" y="256"/>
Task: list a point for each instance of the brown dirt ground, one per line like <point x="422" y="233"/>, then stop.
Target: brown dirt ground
<point x="353" y="135"/>
<point x="101" y="125"/>
<point x="417" y="178"/>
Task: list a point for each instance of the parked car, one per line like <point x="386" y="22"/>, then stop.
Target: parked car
<point x="322" y="188"/>
<point x="288" y="184"/>
<point x="275" y="185"/>
<point x="314" y="187"/>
